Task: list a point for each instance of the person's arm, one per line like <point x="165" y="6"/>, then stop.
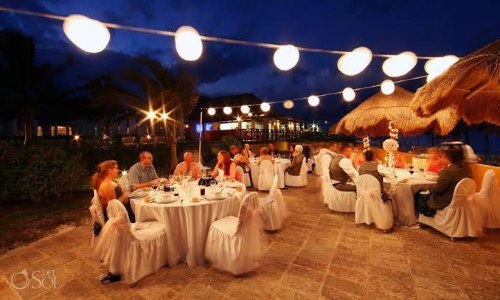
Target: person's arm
<point x="155" y="176"/>
<point x="215" y="172"/>
<point x="347" y="166"/>
<point x="177" y="170"/>
<point x="443" y="183"/>
<point x="197" y="171"/>
<point x="133" y="178"/>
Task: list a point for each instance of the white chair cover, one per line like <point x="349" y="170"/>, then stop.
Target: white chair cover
<point x="124" y="183"/>
<point x="326" y="160"/>
<point x="266" y="175"/>
<point x="246" y="177"/>
<point x="462" y="217"/>
<point x="336" y="200"/>
<point x="132" y="250"/>
<point x="273" y="208"/>
<point x="234" y="243"/>
<point x="97" y="215"/>
<point x="489" y="199"/>
<point x="300" y="180"/>
<point x="310" y="164"/>
<point x="370" y="208"/>
<point x="240" y="172"/>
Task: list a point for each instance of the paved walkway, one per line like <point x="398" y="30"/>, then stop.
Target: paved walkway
<point x="318" y="255"/>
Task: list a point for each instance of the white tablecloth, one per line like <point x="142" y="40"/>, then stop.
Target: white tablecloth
<point x="187" y="223"/>
<point x="403" y="199"/>
<point x="279" y="168"/>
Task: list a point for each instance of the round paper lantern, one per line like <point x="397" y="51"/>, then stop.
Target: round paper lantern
<point x="88" y="34"/>
<point x="355" y="62"/>
<point x="313" y="100"/>
<point x="349" y="94"/>
<point x="439" y="65"/>
<point x="211" y="111"/>
<point x="286" y="57"/>
<point x="265" y="107"/>
<point x="400" y="64"/>
<point x="288" y="104"/>
<point x="245" y="109"/>
<point x="387" y="87"/>
<point x="227" y="110"/>
<point x="431" y="77"/>
<point x="188" y="43"/>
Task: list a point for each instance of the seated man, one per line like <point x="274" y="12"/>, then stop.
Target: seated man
<point x="188" y="166"/>
<point x="233" y="150"/>
<point x="143" y="173"/>
<point x="375" y="169"/>
<point x="325" y="157"/>
<point x="296" y="164"/>
<point x="440" y="196"/>
<point x="341" y="170"/>
<point x="272" y="149"/>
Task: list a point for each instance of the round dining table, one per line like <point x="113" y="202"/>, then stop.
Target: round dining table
<point x="187" y="222"/>
<point x="279" y="168"/>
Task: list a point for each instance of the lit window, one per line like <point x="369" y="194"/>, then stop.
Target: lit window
<point x="39" y="131"/>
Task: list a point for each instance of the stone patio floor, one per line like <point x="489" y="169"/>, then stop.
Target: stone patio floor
<point x="318" y="255"/>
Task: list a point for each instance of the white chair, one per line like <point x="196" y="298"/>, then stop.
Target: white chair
<point x="273" y="208"/>
<point x="370" y="208"/>
<point x="462" y="217"/>
<point x="310" y="164"/>
<point x="133" y="251"/>
<point x="266" y="175"/>
<point x="336" y="200"/>
<point x="97" y="215"/>
<point x="124" y="183"/>
<point x="489" y="199"/>
<point x="234" y="243"/>
<point x="241" y="173"/>
<point x="300" y="180"/>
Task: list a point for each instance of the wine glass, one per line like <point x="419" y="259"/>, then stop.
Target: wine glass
<point x="411" y="170"/>
<point x="154" y="186"/>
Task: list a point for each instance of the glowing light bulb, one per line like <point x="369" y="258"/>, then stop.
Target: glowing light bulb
<point x="77" y="137"/>
<point x="387" y="87"/>
<point x="211" y="111"/>
<point x="400" y="64"/>
<point x="265" y="107"/>
<point x="313" y="100"/>
<point x="151" y="115"/>
<point x="245" y="109"/>
<point x="250" y="114"/>
<point x="188" y="43"/>
<point x="288" y="104"/>
<point x="355" y="62"/>
<point x="349" y="94"/>
<point x="439" y="65"/>
<point x="227" y="110"/>
<point x="88" y="34"/>
<point x="124" y="172"/>
<point x="286" y="57"/>
<point x="164" y="116"/>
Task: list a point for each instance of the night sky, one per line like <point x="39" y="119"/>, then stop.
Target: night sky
<point x="428" y="28"/>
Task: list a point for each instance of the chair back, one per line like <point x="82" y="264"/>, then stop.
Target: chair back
<point x="240" y="172"/>
<point x="487" y="186"/>
<point x="368" y="187"/>
<point x="464" y="190"/>
<point x="96" y="210"/>
<point x="124" y="183"/>
<point x="118" y="215"/>
<point x="266" y="166"/>
<point x="249" y="204"/>
<point x="274" y="187"/>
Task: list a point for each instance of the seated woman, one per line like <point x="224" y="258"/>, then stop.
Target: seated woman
<point x="400" y="162"/>
<point x="227" y="166"/>
<point x="264" y="154"/>
<point x="291" y="149"/>
<point x="107" y="189"/>
<point x="433" y="162"/>
<point x="440" y="196"/>
<point x="297" y="158"/>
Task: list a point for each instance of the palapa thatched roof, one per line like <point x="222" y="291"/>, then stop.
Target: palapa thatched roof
<point x="372" y="117"/>
<point x="471" y="85"/>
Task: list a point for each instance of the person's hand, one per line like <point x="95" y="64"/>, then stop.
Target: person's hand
<point x="153" y="182"/>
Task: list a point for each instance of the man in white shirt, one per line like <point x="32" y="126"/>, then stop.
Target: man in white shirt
<point x="342" y="169"/>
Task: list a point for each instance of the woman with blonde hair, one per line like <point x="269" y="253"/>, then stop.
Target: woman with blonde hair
<point x="107" y="189"/>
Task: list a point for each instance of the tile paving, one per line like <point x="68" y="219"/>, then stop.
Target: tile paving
<point x="318" y="255"/>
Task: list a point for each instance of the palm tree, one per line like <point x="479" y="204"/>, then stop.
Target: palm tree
<point x="26" y="88"/>
<point x="150" y="85"/>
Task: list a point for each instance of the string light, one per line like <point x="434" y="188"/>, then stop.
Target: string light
<point x="288" y="104"/>
<point x="387" y="87"/>
<point x="313" y="100"/>
<point x="188" y="43"/>
<point x="400" y="64"/>
<point x="151" y="115"/>
<point x="164" y="116"/>
<point x="76" y="137"/>
<point x="124" y="172"/>
<point x="437" y="66"/>
<point x="227" y="110"/>
<point x="355" y="62"/>
<point x="88" y="34"/>
<point x="211" y="111"/>
<point x="245" y="109"/>
<point x="286" y="57"/>
<point x="265" y="107"/>
<point x="349" y="94"/>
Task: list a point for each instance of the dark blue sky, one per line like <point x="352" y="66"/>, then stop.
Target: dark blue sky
<point x="428" y="28"/>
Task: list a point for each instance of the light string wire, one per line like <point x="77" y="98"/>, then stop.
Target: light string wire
<point x="203" y="37"/>
<point x="319" y="95"/>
